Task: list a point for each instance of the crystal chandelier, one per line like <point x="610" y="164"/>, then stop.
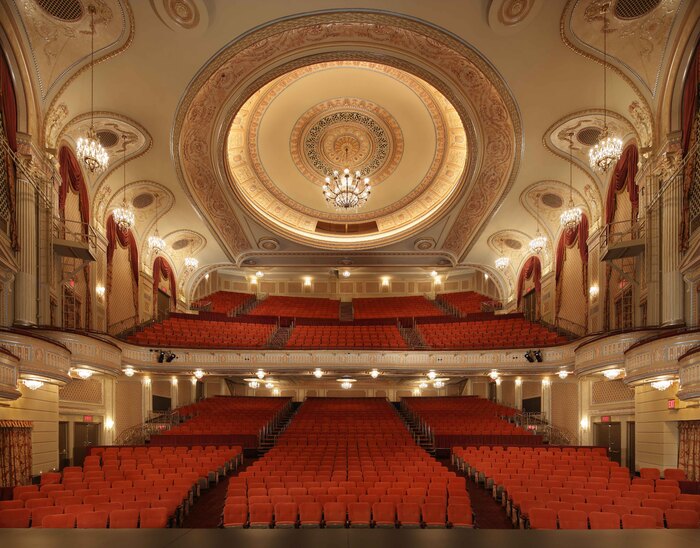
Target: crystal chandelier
<point x="662" y="385"/>
<point x="155" y="243"/>
<point x="502" y="263"/>
<point x="254" y="385"/>
<point x="563" y="374"/>
<point x="345" y="192"/>
<point x="439" y="384"/>
<point x="32" y="384"/>
<point x="608" y="149"/>
<point x="269" y="385"/>
<point x="612" y="374"/>
<point x="191" y="264"/>
<point x="129" y="371"/>
<point x="123" y="215"/>
<point x="346" y="385"/>
<point x="83" y="373"/>
<point x="571" y="216"/>
<point x="88" y="149"/>
<point x="539" y="242"/>
<point x="198" y="374"/>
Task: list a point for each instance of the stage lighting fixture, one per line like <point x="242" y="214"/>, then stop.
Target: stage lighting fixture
<point x="161" y="356"/>
<point x="170" y="357"/>
<point x="538" y="355"/>
<point x="529" y="356"/>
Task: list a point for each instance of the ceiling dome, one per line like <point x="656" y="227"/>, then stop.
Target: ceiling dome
<point x="391" y="126"/>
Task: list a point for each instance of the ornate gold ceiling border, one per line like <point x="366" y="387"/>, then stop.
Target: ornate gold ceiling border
<point x="639" y="109"/>
<point x="472" y="86"/>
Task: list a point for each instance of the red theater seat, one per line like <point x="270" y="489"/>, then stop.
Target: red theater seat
<point x="58" y="521"/>
<point x="153" y="518"/>
<point x="123" y="519"/>
<point x="92" y="520"/>
<point x="632" y="521"/>
<point x="15" y="518"/>
<point x="543" y="518"/>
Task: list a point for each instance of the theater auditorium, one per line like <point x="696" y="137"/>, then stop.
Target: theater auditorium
<point x="363" y="274"/>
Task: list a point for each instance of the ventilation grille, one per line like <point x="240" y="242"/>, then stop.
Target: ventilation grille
<point x="107" y="138"/>
<point x="65" y="10"/>
<point x="552" y="200"/>
<point x="180" y="244"/>
<point x="512" y="243"/>
<point x="588" y="136"/>
<point x="143" y="200"/>
<point x="632" y="9"/>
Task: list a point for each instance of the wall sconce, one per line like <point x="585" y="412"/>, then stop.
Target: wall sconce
<point x="518" y="382"/>
<point x="307" y="281"/>
<point x="385" y="281"/>
<point x="174" y="381"/>
<point x="546" y="381"/>
<point x="109" y="423"/>
<point x="276" y="392"/>
<point x="194" y="381"/>
<point x="437" y="280"/>
<point x="584" y="423"/>
<point x="416" y="391"/>
<point x="206" y="276"/>
<point x="498" y="381"/>
<point x="253" y="280"/>
<point x="100" y="291"/>
<point x="593" y="291"/>
<point x="147" y="381"/>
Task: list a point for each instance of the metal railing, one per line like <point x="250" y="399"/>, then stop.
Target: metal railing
<point x="139" y="434"/>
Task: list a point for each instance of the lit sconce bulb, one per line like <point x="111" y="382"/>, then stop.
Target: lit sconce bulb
<point x="253" y="280"/>
<point x="147" y="381"/>
<point x="385" y="281"/>
<point x="109" y="423"/>
<point x="434" y="273"/>
<point x="593" y="291"/>
<point x="318" y="373"/>
<point x="194" y="381"/>
<point x="486" y="276"/>
<point x="584" y="423"/>
<point x="498" y="381"/>
<point x="276" y="392"/>
<point x="416" y="391"/>
<point x="432" y="374"/>
<point x="437" y="280"/>
<point x="206" y="276"/>
<point x="174" y="381"/>
<point x="563" y="374"/>
<point x="346" y="273"/>
<point x="129" y="371"/>
<point x="374" y="373"/>
<point x="546" y="381"/>
<point x="100" y="290"/>
<point x="493" y="374"/>
<point x="259" y="274"/>
<point x="198" y="374"/>
<point x="307" y="281"/>
<point x="260" y="374"/>
<point x="518" y="382"/>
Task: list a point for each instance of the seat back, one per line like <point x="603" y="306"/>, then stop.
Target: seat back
<point x="15" y="518"/>
<point x="154" y="518"/>
<point x="92" y="520"/>
<point x="123" y="519"/>
<point x="58" y="521"/>
<point x="677" y="518"/>
<point x="636" y="521"/>
<point x="543" y="518"/>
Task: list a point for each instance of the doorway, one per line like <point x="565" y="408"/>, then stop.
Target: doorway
<point x="608" y="434"/>
<point x="63" y="456"/>
<point x="85" y="435"/>
<point x="631" y="440"/>
<point x="163" y="304"/>
<point x="530" y="305"/>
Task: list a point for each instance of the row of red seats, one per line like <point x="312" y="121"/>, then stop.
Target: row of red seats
<point x="336" y="336"/>
<point x="394" y="307"/>
<point x="223" y="302"/>
<point x="547" y="518"/>
<point x="298" y="307"/>
<point x="55" y="518"/>
<point x="465" y="302"/>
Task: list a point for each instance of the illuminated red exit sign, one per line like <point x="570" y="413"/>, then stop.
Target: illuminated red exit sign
<point x="605" y="418"/>
<point x="672" y="403"/>
<point x="87" y="418"/>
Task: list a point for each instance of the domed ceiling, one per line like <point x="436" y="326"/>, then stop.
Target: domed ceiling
<point x="389" y="125"/>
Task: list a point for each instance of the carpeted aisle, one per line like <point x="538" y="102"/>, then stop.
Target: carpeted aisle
<point x="488" y="513"/>
<point x="207" y="509"/>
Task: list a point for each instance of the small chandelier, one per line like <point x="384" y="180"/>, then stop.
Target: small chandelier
<point x="374" y="373"/>
<point x="438" y="384"/>
<point x="612" y="374"/>
<point x="318" y="373"/>
<point x="493" y="375"/>
<point x="422" y="386"/>
<point x="345" y="192"/>
<point x="539" y="242"/>
<point x="608" y="149"/>
<point x="571" y="216"/>
<point x="260" y="374"/>
<point x="191" y="264"/>
<point x="129" y="371"/>
<point x="155" y="243"/>
<point x="88" y="149"/>
<point x="84" y="374"/>
<point x="198" y="374"/>
<point x="254" y="385"/>
<point x="563" y="374"/>
<point x="123" y="215"/>
<point x="32" y="384"/>
<point x="502" y="263"/>
<point x="346" y="385"/>
<point x="661" y="385"/>
<point x="269" y="385"/>
<point x="432" y="374"/>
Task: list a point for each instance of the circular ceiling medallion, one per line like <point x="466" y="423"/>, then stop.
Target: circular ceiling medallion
<point x="513" y="243"/>
<point x="552" y="200"/>
<point x="424" y="244"/>
<point x="65" y="10"/>
<point x="588" y="136"/>
<point x="513" y="12"/>
<point x="142" y="200"/>
<point x="346" y="133"/>
<point x="182" y="12"/>
<point x="180" y="244"/>
<point x="268" y="244"/>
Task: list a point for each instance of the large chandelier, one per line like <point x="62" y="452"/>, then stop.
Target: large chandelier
<point x="502" y="263"/>
<point x="155" y="243"/>
<point x="191" y="264"/>
<point x="88" y="149"/>
<point x="123" y="215"/>
<point x="571" y="216"/>
<point x="608" y="149"/>
<point x="345" y="191"/>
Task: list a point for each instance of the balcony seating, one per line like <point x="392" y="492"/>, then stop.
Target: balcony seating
<point x="336" y="336"/>
<point x="394" y="307"/>
<point x="466" y="302"/>
<point x="223" y="302"/>
<point x="298" y="307"/>
<point x="509" y="332"/>
<point x="347" y="463"/>
<point x="197" y="333"/>
<point x="160" y="482"/>
<point x="468" y="420"/>
<point x="223" y="420"/>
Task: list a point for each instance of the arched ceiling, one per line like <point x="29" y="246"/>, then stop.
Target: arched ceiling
<point x="460" y="112"/>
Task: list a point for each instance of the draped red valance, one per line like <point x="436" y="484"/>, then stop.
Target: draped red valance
<point x="162" y="269"/>
<point x="531" y="269"/>
<point x="623" y="177"/>
<point x="8" y="107"/>
<point x="15" y="424"/>
<point x="568" y="239"/>
<point x="126" y="240"/>
<point x="72" y="178"/>
<point x="689" y="103"/>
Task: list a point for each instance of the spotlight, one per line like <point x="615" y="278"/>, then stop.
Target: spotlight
<point x="530" y="356"/>
<point x="538" y="355"/>
<point x="170" y="356"/>
<point x="161" y="356"/>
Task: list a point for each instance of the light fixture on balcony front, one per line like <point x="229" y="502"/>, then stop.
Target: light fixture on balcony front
<point x="346" y="274"/>
<point x="493" y="375"/>
<point x="260" y="374"/>
<point x="612" y="374"/>
<point x="661" y="385"/>
<point x="32" y="384"/>
<point x="254" y="385"/>
<point x="89" y="150"/>
<point x="129" y="371"/>
<point x="432" y="374"/>
<point x="346" y="383"/>
<point x="318" y="373"/>
<point x="198" y="374"/>
<point x="374" y="373"/>
<point x="83" y="373"/>
<point x="259" y="274"/>
<point x="563" y="374"/>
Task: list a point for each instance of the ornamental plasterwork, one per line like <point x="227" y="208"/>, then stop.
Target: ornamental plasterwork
<point x="88" y="351"/>
<point x="58" y="48"/>
<point x="509" y="16"/>
<point x="182" y="15"/>
<point x="657" y="357"/>
<point x="183" y="243"/>
<point x="145" y="217"/>
<point x="235" y="70"/>
<point x="638" y="44"/>
<point x="606" y="352"/>
<point x="349" y="120"/>
<point x="138" y="140"/>
<point x="689" y="377"/>
<point x="38" y="357"/>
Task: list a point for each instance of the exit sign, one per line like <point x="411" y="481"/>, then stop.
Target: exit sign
<point x="672" y="403"/>
<point x="606" y="418"/>
<point x="87" y="418"/>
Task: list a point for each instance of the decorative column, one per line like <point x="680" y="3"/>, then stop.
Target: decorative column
<point x="546" y="401"/>
<point x="499" y="391"/>
<point x="109" y="390"/>
<point x="25" y="279"/>
<point x="174" y="388"/>
<point x="672" y="286"/>
<point x="518" y="394"/>
<point x="147" y="397"/>
<point x="584" y="398"/>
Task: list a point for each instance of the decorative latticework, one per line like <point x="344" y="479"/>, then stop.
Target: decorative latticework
<point x="694" y="205"/>
<point x="611" y="391"/>
<point x="85" y="391"/>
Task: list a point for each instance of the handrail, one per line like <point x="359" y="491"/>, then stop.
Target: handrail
<point x="679" y="169"/>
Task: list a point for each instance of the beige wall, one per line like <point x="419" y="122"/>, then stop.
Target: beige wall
<point x="508" y="392"/>
<point x="41" y="407"/>
<point x="129" y="408"/>
<point x="565" y="406"/>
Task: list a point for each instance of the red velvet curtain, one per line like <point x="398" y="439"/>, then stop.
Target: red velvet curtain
<point x="15" y="453"/>
<point x="162" y="269"/>
<point x="689" y="449"/>
<point x="623" y="177"/>
<point x="567" y="240"/>
<point x="531" y="269"/>
<point x="125" y="240"/>
<point x="8" y="106"/>
<point x="689" y="104"/>
<point x="72" y="178"/>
